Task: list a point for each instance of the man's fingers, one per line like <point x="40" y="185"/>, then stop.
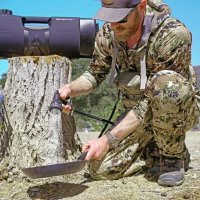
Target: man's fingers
<point x="85" y="147"/>
<point x="90" y="155"/>
<point x="64" y="91"/>
<point x="66" y="108"/>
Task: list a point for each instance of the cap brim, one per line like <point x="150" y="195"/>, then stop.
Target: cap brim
<point x="111" y="14"/>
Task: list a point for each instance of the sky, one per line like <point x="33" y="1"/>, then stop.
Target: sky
<point x="185" y="11"/>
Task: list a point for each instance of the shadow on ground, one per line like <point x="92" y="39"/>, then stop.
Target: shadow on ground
<point x="57" y="190"/>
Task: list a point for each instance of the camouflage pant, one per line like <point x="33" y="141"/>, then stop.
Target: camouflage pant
<point x="171" y="110"/>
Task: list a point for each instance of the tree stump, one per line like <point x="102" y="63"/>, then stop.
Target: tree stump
<point x="38" y="136"/>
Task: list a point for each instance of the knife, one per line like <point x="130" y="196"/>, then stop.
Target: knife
<point x="56" y="169"/>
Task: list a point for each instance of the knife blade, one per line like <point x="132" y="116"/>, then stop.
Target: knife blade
<point x="56" y="169"/>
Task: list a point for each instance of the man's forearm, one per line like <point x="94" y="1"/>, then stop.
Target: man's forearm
<point x="79" y="86"/>
<point x="127" y="126"/>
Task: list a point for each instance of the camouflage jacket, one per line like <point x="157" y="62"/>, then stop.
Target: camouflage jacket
<point x="168" y="47"/>
<point x="167" y="42"/>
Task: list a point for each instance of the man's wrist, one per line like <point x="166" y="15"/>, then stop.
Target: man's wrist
<point x="113" y="141"/>
<point x="68" y="89"/>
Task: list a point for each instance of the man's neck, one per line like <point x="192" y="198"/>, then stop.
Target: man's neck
<point x="134" y="39"/>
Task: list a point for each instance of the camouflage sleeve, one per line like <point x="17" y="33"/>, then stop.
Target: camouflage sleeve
<point x="172" y="48"/>
<point x="102" y="57"/>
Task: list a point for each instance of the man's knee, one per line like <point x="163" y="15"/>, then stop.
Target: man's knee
<point x="168" y="87"/>
<point x="172" y="100"/>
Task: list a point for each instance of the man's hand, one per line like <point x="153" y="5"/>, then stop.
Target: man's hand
<point x="64" y="92"/>
<point x="75" y="88"/>
<point x="96" y="148"/>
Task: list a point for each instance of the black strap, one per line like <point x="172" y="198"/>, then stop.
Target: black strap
<point x="111" y="115"/>
<point x="92" y="116"/>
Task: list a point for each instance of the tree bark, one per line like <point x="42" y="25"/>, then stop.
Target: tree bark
<point x="38" y="136"/>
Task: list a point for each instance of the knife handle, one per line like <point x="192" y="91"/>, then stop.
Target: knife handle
<point x="82" y="156"/>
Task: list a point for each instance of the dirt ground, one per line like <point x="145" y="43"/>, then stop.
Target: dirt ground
<point x="76" y="187"/>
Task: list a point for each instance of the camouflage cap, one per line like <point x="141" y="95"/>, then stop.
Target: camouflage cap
<point x="115" y="10"/>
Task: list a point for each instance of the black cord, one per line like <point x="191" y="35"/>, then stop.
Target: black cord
<point x="111" y="115"/>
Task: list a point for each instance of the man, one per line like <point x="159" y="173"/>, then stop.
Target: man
<point x="148" y="55"/>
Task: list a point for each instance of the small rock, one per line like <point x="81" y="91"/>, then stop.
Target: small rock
<point x="123" y="182"/>
<point x="186" y="196"/>
<point x="15" y="172"/>
<point x="10" y="173"/>
<point x="10" y="180"/>
<point x="194" y="176"/>
<point x="1" y="178"/>
<point x="5" y="175"/>
<point x="86" y="175"/>
<point x="28" y="179"/>
<point x="164" y="194"/>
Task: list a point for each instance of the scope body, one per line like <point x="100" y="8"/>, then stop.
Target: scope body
<point x="71" y="37"/>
